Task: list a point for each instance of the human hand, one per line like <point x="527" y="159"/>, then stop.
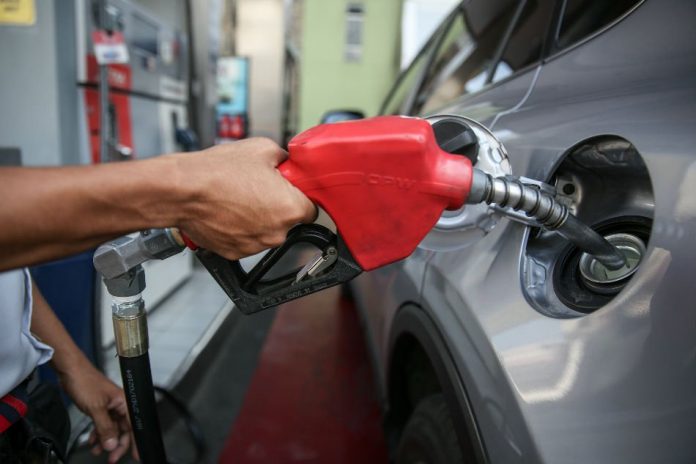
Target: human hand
<point x="242" y="204"/>
<point x="99" y="398"/>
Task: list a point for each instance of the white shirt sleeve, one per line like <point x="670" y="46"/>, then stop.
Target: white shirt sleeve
<point x="20" y="351"/>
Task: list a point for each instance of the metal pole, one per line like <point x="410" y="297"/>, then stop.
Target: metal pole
<point x="103" y="88"/>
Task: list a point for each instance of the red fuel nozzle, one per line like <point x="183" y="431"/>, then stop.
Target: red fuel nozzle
<point x="384" y="181"/>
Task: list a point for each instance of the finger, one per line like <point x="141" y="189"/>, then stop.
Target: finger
<point x="117" y="409"/>
<point x="269" y="150"/>
<point x="278" y="156"/>
<point x="121" y="410"/>
<point x="92" y="438"/>
<point x="124" y="424"/>
<point x="117" y="405"/>
<point x="127" y="437"/>
<point x="117" y="401"/>
<point x="125" y="429"/>
<point x="312" y="212"/>
<point x="123" y="444"/>
<point x="263" y="148"/>
<point x="309" y="209"/>
<point x="107" y="430"/>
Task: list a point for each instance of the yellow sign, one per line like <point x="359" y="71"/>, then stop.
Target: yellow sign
<point x="18" y="12"/>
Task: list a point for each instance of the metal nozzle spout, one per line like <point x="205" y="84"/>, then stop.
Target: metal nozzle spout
<point x="552" y="215"/>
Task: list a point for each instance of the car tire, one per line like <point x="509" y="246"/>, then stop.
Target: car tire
<point x="429" y="436"/>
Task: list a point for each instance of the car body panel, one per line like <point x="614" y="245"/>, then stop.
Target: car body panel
<point x="617" y="385"/>
<point x="388" y="288"/>
<point x="489" y="104"/>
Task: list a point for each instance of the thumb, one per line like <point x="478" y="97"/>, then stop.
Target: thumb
<point x="310" y="210"/>
<point x="107" y="429"/>
<point x="277" y="155"/>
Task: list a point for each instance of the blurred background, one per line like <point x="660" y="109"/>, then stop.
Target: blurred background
<point x="179" y="75"/>
<point x="96" y="81"/>
<point x="238" y="68"/>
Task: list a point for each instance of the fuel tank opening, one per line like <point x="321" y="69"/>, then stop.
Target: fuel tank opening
<point x="545" y="211"/>
<point x="600" y="278"/>
<point x="582" y="284"/>
<point x="605" y="183"/>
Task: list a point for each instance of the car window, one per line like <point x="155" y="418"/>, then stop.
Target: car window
<point x="400" y="97"/>
<point x="526" y="42"/>
<point x="466" y="53"/>
<point x="581" y="18"/>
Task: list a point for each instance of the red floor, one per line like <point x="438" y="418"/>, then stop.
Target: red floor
<point x="312" y="397"/>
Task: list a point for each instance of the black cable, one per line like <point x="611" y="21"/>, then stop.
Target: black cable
<point x="192" y="425"/>
<point x="73" y="446"/>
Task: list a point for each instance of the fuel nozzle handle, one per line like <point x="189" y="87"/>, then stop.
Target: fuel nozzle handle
<point x="384" y="181"/>
<point x="551" y="214"/>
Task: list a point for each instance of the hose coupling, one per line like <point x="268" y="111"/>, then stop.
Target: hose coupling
<point x="130" y="326"/>
<point x="128" y="312"/>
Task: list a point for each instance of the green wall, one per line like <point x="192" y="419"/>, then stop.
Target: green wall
<point x="327" y="80"/>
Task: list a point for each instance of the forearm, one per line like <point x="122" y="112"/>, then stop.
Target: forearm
<point x="229" y="199"/>
<point x="52" y="212"/>
<point x="47" y="327"/>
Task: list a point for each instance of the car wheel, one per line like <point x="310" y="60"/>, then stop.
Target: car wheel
<point x="429" y="436"/>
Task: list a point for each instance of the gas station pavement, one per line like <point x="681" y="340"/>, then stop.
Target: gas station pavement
<point x="287" y="385"/>
<point x="204" y="352"/>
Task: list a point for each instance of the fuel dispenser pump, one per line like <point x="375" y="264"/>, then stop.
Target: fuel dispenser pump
<point x="384" y="181"/>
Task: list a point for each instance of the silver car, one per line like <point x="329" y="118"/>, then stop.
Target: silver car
<point x="492" y="342"/>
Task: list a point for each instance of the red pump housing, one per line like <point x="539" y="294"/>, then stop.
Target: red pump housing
<point x="384" y="181"/>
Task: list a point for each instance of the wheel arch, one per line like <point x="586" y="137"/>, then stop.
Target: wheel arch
<point x="420" y="363"/>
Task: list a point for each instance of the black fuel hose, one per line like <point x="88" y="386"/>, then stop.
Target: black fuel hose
<point x="142" y="408"/>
